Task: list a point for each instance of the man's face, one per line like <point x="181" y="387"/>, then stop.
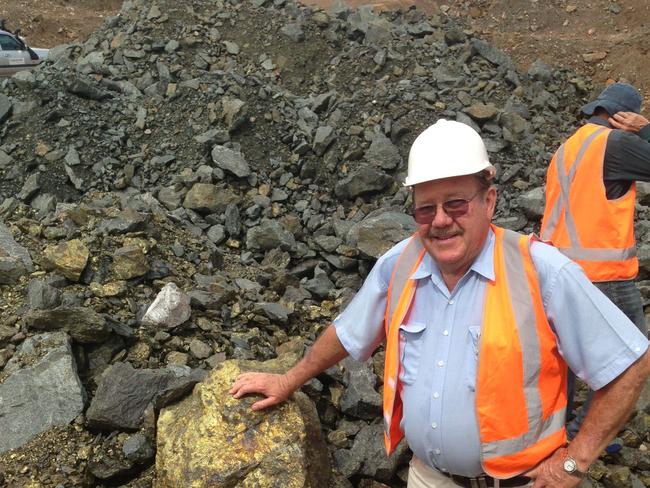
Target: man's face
<point x="454" y="243"/>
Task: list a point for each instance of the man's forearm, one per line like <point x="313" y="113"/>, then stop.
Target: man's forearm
<point x="324" y="353"/>
<point x="608" y="412"/>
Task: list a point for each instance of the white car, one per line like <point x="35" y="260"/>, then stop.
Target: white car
<point x="15" y="55"/>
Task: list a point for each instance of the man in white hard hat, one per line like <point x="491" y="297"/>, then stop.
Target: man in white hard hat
<point x="479" y="324"/>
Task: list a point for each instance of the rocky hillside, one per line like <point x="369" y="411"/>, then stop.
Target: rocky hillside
<point x="247" y="158"/>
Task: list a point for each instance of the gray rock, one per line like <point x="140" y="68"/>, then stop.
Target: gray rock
<point x="138" y="449"/>
<point x="170" y="198"/>
<point x="365" y="179"/>
<point x="374" y="235"/>
<point x="532" y="202"/>
<point x="106" y="466"/>
<point x="294" y="32"/>
<point x="45" y="394"/>
<point x="231" y="161"/>
<point x="84" y="89"/>
<point x="232" y="220"/>
<point x="199" y="349"/>
<point x="83" y="324"/>
<point x="270" y="234"/>
<point x="124" y="393"/>
<point x="328" y="243"/>
<point x="128" y="220"/>
<point x="515" y="127"/>
<point x="6" y="107"/>
<point x="231" y="47"/>
<point x="454" y="36"/>
<point x="42" y="295"/>
<point x="30" y="187"/>
<point x="15" y="260"/>
<point x="540" y="71"/>
<point x="217" y="234"/>
<point x="74" y="178"/>
<point x="5" y="159"/>
<point x="274" y="311"/>
<point x="24" y="79"/>
<point x="359" y="399"/>
<point x="383" y="152"/>
<point x="367" y="456"/>
<point x="44" y="204"/>
<point x="324" y="136"/>
<point x="492" y="54"/>
<point x="320" y="285"/>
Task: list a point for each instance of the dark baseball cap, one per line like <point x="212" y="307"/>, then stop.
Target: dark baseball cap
<point x="617" y="97"/>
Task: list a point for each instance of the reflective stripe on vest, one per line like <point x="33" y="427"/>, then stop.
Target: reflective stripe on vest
<point x="400" y="294"/>
<point x="569" y="214"/>
<point x="521" y="376"/>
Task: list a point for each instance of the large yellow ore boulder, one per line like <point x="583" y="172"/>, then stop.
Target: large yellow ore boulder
<point x="210" y="439"/>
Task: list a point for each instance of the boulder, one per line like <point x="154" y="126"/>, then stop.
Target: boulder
<point x="41" y="391"/>
<point x="281" y="446"/>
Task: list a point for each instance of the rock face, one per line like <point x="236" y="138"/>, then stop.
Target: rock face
<point x="281" y="447"/>
<point x="42" y="395"/>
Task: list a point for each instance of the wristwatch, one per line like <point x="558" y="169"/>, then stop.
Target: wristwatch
<point x="571" y="467"/>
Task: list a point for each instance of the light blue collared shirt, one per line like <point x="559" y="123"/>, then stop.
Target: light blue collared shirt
<point x="439" y="344"/>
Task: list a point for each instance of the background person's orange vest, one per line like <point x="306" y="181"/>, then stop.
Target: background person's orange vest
<point x="521" y="379"/>
<point x="579" y="220"/>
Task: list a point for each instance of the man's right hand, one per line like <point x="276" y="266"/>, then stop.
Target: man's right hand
<point x="628" y="121"/>
<point x="275" y="387"/>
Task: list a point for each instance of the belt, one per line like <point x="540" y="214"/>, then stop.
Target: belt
<point x="487" y="481"/>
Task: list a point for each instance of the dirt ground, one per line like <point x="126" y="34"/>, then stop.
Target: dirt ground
<point x="604" y="39"/>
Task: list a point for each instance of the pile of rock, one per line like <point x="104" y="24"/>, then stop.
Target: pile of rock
<point x="201" y="182"/>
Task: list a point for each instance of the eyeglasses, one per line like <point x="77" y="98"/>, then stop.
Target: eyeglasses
<point x="453" y="208"/>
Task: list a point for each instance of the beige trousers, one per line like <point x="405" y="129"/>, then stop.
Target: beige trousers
<point x="422" y="476"/>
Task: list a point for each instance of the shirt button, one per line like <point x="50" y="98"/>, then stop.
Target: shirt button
<point x="637" y="349"/>
<point x="437" y="451"/>
<point x="434" y="425"/>
<point x="451" y="302"/>
<point x="445" y="332"/>
<point x="436" y="395"/>
<point x="441" y="363"/>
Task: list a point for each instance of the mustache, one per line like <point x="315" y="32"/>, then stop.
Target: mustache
<point x="444" y="234"/>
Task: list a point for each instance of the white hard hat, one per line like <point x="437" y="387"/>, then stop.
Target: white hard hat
<point x="445" y="149"/>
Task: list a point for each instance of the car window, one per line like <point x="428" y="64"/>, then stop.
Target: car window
<point x="8" y="43"/>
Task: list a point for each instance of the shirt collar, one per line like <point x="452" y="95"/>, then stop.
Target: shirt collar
<point x="599" y="121"/>
<point x="483" y="264"/>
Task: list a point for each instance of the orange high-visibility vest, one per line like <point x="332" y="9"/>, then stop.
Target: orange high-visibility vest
<point x="521" y="377"/>
<point x="579" y="220"/>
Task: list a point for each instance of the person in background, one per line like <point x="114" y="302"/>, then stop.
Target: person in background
<point x="479" y="324"/>
<point x="590" y="202"/>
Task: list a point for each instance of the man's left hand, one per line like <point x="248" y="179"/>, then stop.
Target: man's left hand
<point x="550" y="473"/>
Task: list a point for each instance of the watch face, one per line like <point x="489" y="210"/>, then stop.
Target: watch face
<point x="569" y="465"/>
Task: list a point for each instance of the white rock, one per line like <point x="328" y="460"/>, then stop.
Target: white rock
<point x="170" y="308"/>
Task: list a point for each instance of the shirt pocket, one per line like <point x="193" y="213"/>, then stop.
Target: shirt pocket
<point x="410" y="345"/>
<point x="471" y="361"/>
